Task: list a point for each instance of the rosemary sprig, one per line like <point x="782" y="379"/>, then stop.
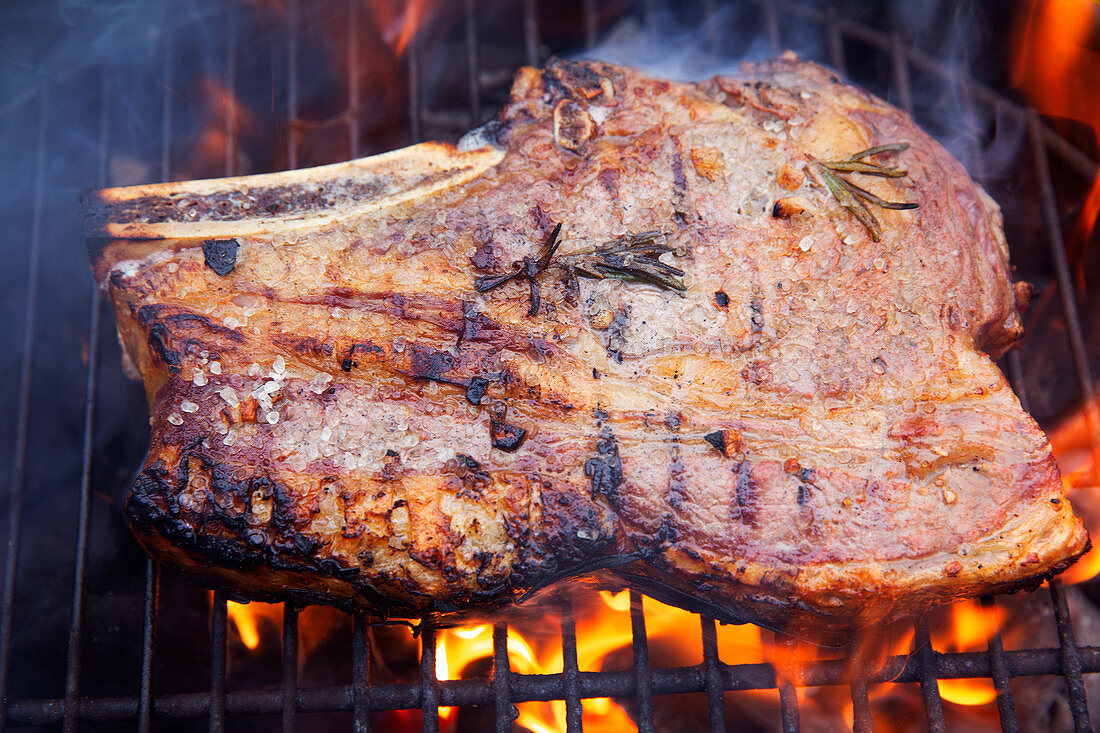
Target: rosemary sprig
<point x="529" y="267"/>
<point x="851" y="196"/>
<point x="630" y="257"/>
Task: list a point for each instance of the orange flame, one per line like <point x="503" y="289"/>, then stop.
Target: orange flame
<point x="1078" y="457"/>
<point x="249" y="618"/>
<point x="1058" y="72"/>
<point x="969" y="629"/>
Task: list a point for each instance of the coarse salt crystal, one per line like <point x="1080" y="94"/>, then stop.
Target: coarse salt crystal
<point x="231" y="322"/>
<point x="189" y="406"/>
<point x="175" y="418"/>
<point x="199" y="379"/>
<point x="326" y="434"/>
<point x="806" y="243"/>
<point x="851" y="239"/>
<point x="272" y="417"/>
<point x="215" y="367"/>
<point x="230" y="396"/>
<point x="253" y="369"/>
<point x="279" y="365"/>
<point x="271" y="387"/>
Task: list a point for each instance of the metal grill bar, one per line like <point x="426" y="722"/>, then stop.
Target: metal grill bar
<point x="712" y="676"/>
<point x="429" y="685"/>
<point x="531" y="31"/>
<point x="929" y="671"/>
<point x="415" y="114"/>
<point x="152" y="570"/>
<point x="230" y="85"/>
<point x="1006" y="708"/>
<point x="901" y="72"/>
<point x="570" y="676"/>
<point x="649" y="18"/>
<point x="771" y="28"/>
<point x="547" y="687"/>
<point x="19" y="467"/>
<point x="591" y="25"/>
<point x="80" y="574"/>
<point x="353" y="79"/>
<point x="1071" y="659"/>
<point x="643" y="674"/>
<point x="472" y="64"/>
<point x="148" y="645"/>
<point x="290" y="666"/>
<point x="292" y="83"/>
<point x="360" y="675"/>
<point x="862" y="720"/>
<point x="835" y="42"/>
<point x="217" y="663"/>
<point x="1066" y="289"/>
<point x="788" y="698"/>
<point x="504" y="712"/>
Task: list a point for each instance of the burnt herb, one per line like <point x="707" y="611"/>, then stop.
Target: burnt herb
<point x="505" y="436"/>
<point x="529" y="267"/>
<point x="851" y="196"/>
<point x="631" y="257"/>
<point x="220" y="255"/>
<point x="476" y="389"/>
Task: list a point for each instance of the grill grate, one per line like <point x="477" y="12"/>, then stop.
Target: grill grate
<point x="503" y="688"/>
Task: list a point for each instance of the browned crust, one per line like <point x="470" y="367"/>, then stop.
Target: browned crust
<point x="873" y="460"/>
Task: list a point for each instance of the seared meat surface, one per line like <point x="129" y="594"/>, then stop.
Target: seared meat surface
<point x="398" y="384"/>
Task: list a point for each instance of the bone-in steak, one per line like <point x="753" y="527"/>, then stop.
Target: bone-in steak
<point x="696" y="335"/>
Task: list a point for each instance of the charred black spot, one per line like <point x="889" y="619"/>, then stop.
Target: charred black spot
<point x="718" y="440"/>
<point x="220" y="255"/>
<point x="430" y="364"/>
<point x="158" y="342"/>
<point x="572" y="79"/>
<point x="721" y="299"/>
<point x="483" y="258"/>
<point x="475" y="390"/>
<point x="803" y="494"/>
<point x="471" y="322"/>
<point x="366" y="348"/>
<point x="756" y="307"/>
<point x="680" y="206"/>
<point x="745" y="497"/>
<point x="595" y="373"/>
<point x="605" y="470"/>
<point x="677" y="487"/>
<point x="465" y="466"/>
<point x="504" y="436"/>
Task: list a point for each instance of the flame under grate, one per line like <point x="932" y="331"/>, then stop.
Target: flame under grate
<point x="361" y="695"/>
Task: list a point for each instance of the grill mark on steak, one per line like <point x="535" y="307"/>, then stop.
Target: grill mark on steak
<point x="744" y="506"/>
<point x="682" y="208"/>
<point x="606" y="470"/>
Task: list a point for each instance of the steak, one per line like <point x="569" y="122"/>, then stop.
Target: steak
<point x="731" y="342"/>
